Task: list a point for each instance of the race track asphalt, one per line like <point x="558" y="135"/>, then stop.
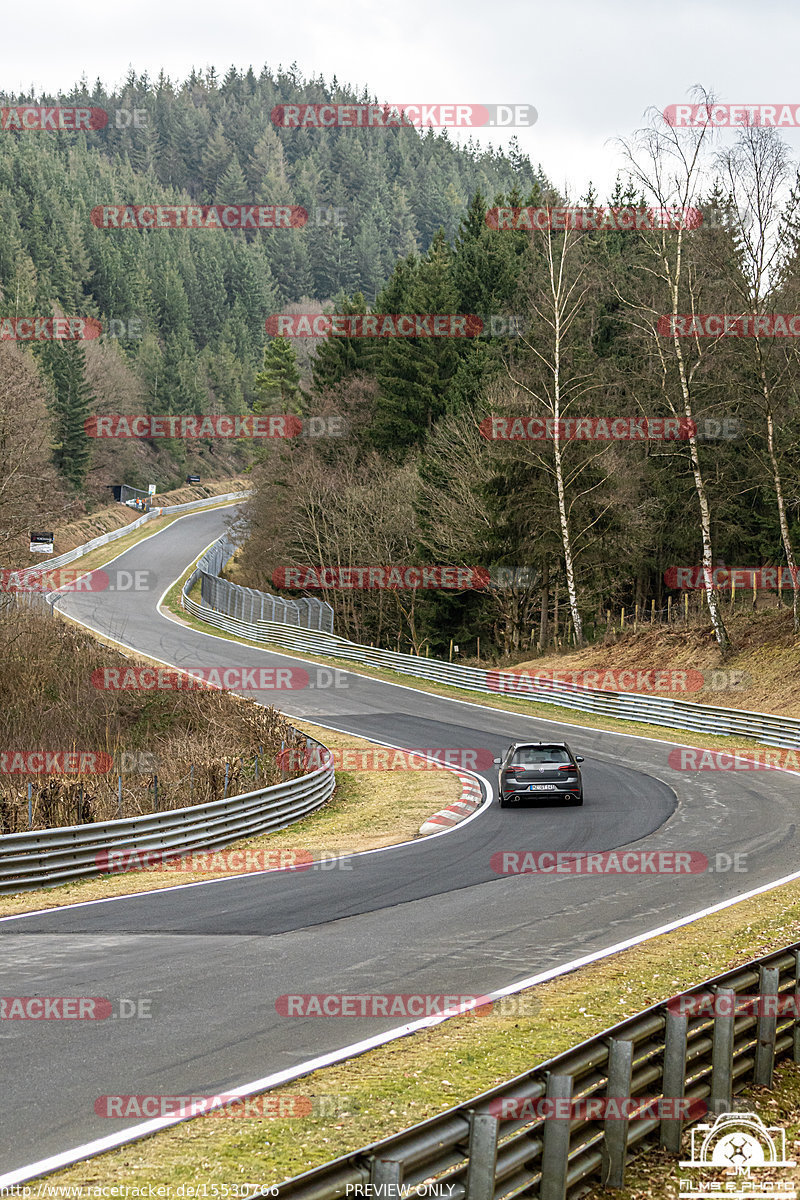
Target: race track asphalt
<point x="431" y="916"/>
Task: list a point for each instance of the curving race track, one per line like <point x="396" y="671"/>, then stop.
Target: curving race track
<point x="428" y="916"/>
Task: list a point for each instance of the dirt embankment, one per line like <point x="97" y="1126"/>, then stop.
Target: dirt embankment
<point x="115" y="516"/>
<point x="762" y="673"/>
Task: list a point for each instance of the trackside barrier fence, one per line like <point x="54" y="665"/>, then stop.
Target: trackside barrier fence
<point x="49" y="857"/>
<point x="627" y="706"/>
<point x="661" y="1052"/>
<point x="248" y="606"/>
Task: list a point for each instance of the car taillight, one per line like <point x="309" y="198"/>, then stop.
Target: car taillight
<point x="567" y="767"/>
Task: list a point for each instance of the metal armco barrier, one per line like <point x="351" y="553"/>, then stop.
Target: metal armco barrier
<point x="248" y="606"/>
<point x="658" y="1053"/>
<point x="63" y="559"/>
<point x="767" y="728"/>
<point x="49" y="857"/>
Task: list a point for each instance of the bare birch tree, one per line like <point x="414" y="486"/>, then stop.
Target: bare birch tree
<point x="668" y="164"/>
<point x="757" y="176"/>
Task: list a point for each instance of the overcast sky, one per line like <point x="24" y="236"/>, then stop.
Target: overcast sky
<point x="590" y="67"/>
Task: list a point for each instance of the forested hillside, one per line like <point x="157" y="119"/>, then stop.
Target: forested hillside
<point x="590" y="322"/>
<point x="187" y="308"/>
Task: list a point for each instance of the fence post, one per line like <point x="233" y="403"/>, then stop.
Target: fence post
<point x="674" y="1077"/>
<point x="722" y="1053"/>
<point x="796" y="1029"/>
<point x="768" y="978"/>
<point x="686" y="607"/>
<point x="155" y="793"/>
<point x="119" y="795"/>
<point x="482" y="1156"/>
<point x="555" y="1142"/>
<point x="256" y="771"/>
<point x="227" y="772"/>
<point x="191" y="780"/>
<point x="615" y="1129"/>
<point x="669" y="609"/>
<point x="30" y="806"/>
<point x="386" y="1177"/>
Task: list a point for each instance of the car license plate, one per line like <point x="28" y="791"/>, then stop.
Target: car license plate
<point x="543" y="787"/>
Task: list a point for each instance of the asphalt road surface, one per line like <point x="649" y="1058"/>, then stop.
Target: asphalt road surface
<point x="429" y="917"/>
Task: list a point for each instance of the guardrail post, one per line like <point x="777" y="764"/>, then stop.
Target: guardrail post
<point x="386" y="1175"/>
<point x="768" y="978"/>
<point x="615" y="1129"/>
<point x="555" y="1142"/>
<point x="674" y="1076"/>
<point x="722" y="1053"/>
<point x="482" y="1156"/>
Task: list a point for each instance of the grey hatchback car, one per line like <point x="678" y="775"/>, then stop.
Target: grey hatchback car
<point x="540" y="771"/>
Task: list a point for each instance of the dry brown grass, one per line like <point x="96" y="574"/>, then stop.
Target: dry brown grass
<point x="368" y="809"/>
<point x="50" y="703"/>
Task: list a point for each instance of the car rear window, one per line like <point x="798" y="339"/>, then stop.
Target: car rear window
<point x="531" y="755"/>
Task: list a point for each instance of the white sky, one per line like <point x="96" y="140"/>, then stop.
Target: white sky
<point x="590" y="67"/>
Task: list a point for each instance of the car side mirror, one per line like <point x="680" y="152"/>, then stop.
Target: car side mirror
<point x="578" y="758"/>
<point x="497" y="761"/>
